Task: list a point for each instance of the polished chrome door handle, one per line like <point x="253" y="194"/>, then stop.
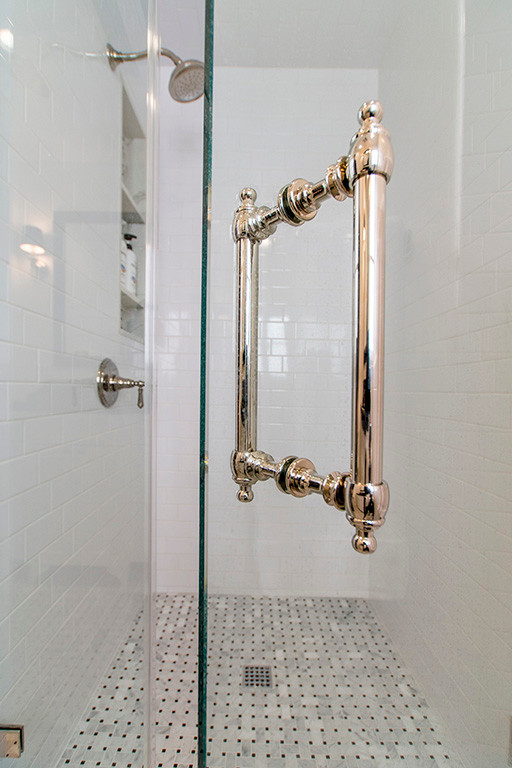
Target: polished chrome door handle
<point x="362" y="175"/>
<point x="109" y="383"/>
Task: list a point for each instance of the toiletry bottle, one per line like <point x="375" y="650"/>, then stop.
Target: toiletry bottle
<point x="131" y="266"/>
<point x="123" y="276"/>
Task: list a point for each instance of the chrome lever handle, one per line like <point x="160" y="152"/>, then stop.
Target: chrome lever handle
<point x="116" y="382"/>
<point x="109" y="383"/>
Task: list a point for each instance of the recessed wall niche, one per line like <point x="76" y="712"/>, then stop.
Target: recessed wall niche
<point x="133" y="223"/>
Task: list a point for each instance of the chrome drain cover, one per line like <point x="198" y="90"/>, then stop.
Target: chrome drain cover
<point x="257" y="676"/>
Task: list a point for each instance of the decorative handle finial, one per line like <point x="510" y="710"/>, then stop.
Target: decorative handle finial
<point x="370" y="109"/>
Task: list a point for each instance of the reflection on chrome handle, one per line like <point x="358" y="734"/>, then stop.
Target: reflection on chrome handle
<point x="363" y="175"/>
<point x="370" y="164"/>
<point x="366" y="485"/>
<point x="247" y="339"/>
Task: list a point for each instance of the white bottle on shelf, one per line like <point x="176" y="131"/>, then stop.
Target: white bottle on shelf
<point x="123" y="276"/>
<point x="131" y="266"/>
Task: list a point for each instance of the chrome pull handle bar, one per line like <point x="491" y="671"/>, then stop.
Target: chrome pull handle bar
<point x="247" y="339"/>
<point x="362" y="175"/>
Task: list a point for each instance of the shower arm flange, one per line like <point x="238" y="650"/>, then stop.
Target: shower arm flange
<point x="115" y="58"/>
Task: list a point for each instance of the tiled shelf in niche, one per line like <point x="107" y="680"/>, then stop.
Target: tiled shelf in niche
<point x="131" y="302"/>
<point x="133" y="216"/>
<point x="131" y="213"/>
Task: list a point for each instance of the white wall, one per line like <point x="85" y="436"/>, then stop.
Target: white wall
<point x="72" y="502"/>
<point x="442" y="573"/>
<point x="284" y="124"/>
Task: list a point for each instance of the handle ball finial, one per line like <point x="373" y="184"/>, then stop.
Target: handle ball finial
<point x="245" y="494"/>
<point x="248" y="194"/>
<point x="365" y="545"/>
<point x="370" y="109"/>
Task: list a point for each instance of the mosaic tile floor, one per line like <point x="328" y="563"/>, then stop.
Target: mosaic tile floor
<point x="111" y="731"/>
<point x="339" y="696"/>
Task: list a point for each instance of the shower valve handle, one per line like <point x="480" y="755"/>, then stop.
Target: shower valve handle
<point x="109" y="383"/>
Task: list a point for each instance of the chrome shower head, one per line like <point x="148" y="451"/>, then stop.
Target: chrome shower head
<point x="187" y="81"/>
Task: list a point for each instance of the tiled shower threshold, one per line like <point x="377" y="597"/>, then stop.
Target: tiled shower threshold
<point x="339" y="696"/>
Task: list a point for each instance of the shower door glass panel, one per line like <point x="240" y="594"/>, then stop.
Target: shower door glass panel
<point x="318" y="655"/>
<point x="74" y="513"/>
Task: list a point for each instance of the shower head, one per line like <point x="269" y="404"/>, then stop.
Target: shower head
<point x="187" y="79"/>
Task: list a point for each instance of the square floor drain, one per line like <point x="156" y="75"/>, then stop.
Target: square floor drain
<point x="257" y="676"/>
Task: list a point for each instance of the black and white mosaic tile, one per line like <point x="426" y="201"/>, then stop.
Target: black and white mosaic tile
<point x="176" y="682"/>
<point x="111" y="731"/>
<point x="339" y="696"/>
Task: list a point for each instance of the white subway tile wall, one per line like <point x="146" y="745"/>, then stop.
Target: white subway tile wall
<point x="442" y="574"/>
<point x="71" y="477"/>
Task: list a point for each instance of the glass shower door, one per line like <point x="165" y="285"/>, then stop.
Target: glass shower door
<point x="74" y="516"/>
<point x="318" y="655"/>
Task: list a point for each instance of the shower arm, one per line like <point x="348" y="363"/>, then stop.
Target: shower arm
<point x="116" y="58"/>
<point x="363" y="174"/>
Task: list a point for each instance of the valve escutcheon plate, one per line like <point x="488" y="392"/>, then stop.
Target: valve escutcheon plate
<point x="106" y="392"/>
